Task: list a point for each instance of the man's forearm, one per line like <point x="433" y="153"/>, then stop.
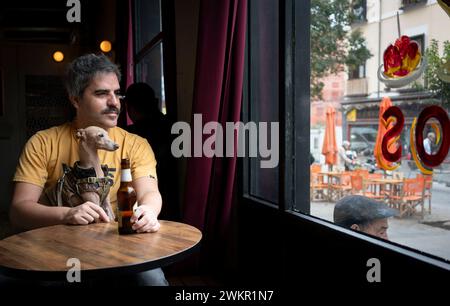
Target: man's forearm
<point x="345" y="158"/>
<point x="153" y="200"/>
<point x="28" y="215"/>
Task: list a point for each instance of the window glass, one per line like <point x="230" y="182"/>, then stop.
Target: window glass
<point x="150" y="70"/>
<point x="263" y="90"/>
<point x="148" y="21"/>
<point x="149" y="67"/>
<point x="420" y="201"/>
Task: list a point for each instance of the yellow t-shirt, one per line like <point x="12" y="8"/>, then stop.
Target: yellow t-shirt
<point x="45" y="152"/>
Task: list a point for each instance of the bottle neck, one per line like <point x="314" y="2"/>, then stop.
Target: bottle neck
<point x="126" y="175"/>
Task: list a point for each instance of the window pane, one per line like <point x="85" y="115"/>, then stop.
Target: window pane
<point x="423" y="220"/>
<point x="148" y="21"/>
<point x="150" y="70"/>
<point x="263" y="87"/>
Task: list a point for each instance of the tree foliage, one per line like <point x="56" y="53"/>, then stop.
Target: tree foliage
<point x="333" y="45"/>
<point x="436" y="62"/>
<point x="357" y="51"/>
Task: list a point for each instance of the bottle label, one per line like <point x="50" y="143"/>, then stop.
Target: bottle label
<point x="126" y="175"/>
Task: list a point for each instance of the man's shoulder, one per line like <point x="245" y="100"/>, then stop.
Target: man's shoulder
<point x="53" y="132"/>
<point x="119" y="133"/>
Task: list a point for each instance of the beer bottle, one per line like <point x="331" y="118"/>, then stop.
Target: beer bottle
<point x="126" y="197"/>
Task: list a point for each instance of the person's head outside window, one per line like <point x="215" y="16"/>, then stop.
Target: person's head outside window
<point x="363" y="214"/>
<point x="346" y="145"/>
<point x="347" y="157"/>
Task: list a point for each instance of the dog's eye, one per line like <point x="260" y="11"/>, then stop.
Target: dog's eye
<point x="100" y="135"/>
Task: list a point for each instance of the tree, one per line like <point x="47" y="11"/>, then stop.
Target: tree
<point x="357" y="54"/>
<point x="436" y="62"/>
<point x="332" y="45"/>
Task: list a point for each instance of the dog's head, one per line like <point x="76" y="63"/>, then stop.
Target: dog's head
<point x="96" y="137"/>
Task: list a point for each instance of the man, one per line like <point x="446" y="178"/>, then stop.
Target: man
<point x="347" y="157"/>
<point x="363" y="214"/>
<point x="428" y="143"/>
<point x="93" y="89"/>
<point x="148" y="122"/>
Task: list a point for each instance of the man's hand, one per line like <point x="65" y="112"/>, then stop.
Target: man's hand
<point x="144" y="220"/>
<point x="85" y="213"/>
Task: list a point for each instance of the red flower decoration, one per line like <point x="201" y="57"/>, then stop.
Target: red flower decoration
<point x="401" y="58"/>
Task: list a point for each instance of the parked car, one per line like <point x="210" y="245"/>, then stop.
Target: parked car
<point x="362" y="140"/>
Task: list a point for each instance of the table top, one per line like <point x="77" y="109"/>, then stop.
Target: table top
<point x="385" y="180"/>
<point x="44" y="252"/>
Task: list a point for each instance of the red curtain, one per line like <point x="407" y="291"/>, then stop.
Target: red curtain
<point x="217" y="96"/>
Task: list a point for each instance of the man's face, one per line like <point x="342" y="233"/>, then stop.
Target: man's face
<point x="432" y="137"/>
<point x="99" y="104"/>
<point x="377" y="228"/>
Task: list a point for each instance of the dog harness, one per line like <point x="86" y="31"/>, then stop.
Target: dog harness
<point x="76" y="180"/>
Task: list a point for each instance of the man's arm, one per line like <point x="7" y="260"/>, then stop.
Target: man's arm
<point x="344" y="156"/>
<point x="26" y="213"/>
<point x="150" y="202"/>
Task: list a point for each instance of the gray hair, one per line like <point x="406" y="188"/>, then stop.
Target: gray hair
<point x="83" y="69"/>
<point x="360" y="210"/>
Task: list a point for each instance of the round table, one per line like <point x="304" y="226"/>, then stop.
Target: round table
<point x="48" y="253"/>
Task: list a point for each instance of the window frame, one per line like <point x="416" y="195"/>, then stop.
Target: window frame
<point x="355" y="74"/>
<point x="246" y="165"/>
<point x="294" y="116"/>
<point x="166" y="39"/>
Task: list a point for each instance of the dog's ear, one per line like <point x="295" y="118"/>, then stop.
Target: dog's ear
<point x="81" y="134"/>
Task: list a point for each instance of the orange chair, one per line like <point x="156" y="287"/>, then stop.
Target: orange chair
<point x="428" y="184"/>
<point x="357" y="184"/>
<point x="317" y="185"/>
<point x="363" y="172"/>
<point x="359" y="187"/>
<point x="340" y="186"/>
<point x="412" y="195"/>
<point x="379" y="193"/>
<point x="315" y="168"/>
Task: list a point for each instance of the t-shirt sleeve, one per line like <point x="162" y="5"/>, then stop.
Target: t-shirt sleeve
<point x="143" y="162"/>
<point x="32" y="166"/>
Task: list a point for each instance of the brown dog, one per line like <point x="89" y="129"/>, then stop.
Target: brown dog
<point x="87" y="180"/>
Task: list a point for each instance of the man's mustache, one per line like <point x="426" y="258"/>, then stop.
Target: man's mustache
<point x="111" y="110"/>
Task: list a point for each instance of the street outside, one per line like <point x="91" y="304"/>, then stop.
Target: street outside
<point x="430" y="235"/>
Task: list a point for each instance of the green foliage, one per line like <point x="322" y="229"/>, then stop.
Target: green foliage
<point x="331" y="45"/>
<point x="435" y="62"/>
<point x="357" y="51"/>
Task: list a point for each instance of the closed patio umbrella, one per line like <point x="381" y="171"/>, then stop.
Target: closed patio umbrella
<point x="329" y="147"/>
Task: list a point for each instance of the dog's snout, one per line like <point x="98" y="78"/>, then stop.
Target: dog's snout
<point x="116" y="146"/>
